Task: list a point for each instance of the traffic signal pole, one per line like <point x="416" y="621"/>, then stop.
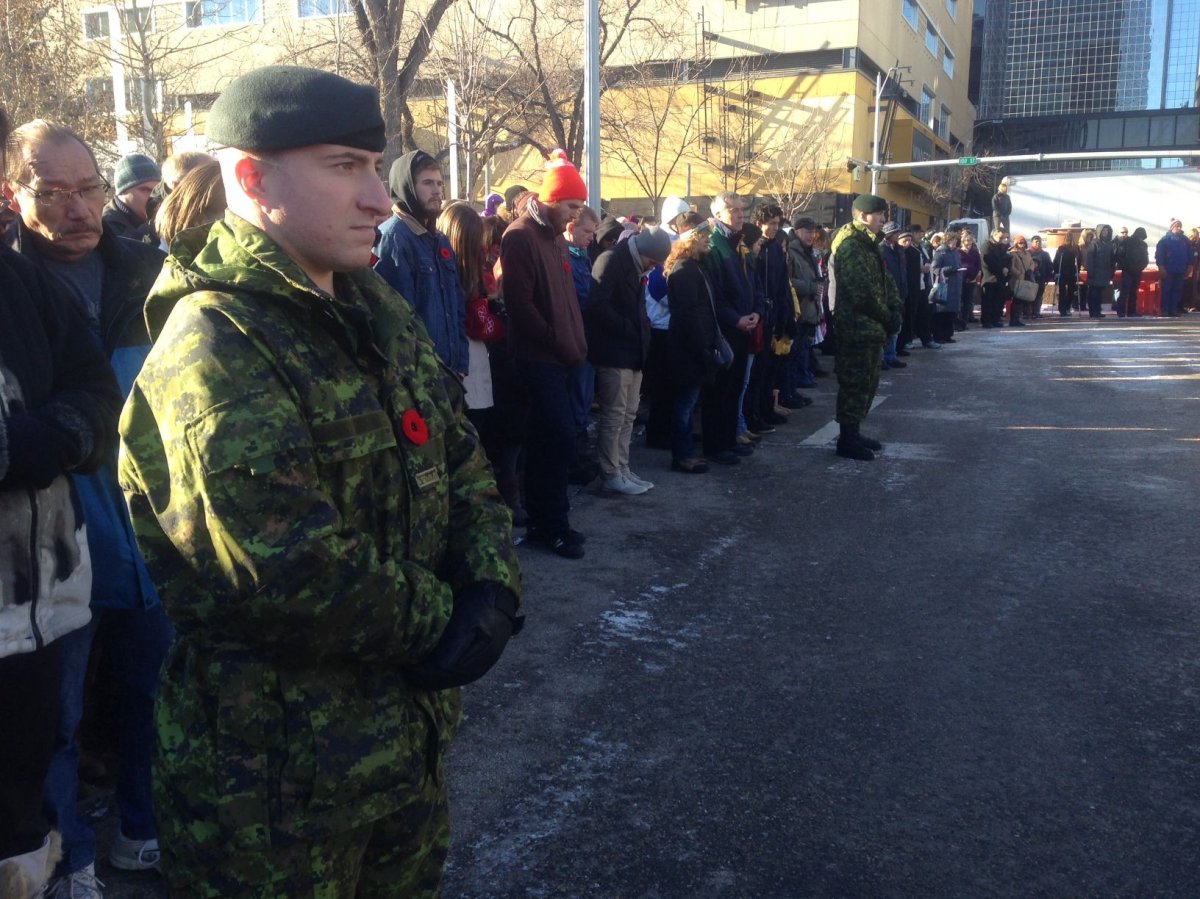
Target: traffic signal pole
<point x="875" y="166"/>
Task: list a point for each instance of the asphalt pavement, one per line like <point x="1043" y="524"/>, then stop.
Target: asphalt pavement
<point x="968" y="668"/>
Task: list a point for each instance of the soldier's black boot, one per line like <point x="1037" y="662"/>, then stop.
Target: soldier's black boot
<point x="849" y="446"/>
<point x="868" y="442"/>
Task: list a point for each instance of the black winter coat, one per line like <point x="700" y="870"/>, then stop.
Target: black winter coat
<point x="618" y="331"/>
<point x="693" y="330"/>
<point x="52" y="368"/>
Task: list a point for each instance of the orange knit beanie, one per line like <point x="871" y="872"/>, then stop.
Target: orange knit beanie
<point x="562" y="180"/>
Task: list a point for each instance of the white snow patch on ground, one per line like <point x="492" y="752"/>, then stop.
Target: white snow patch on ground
<point x="547" y="806"/>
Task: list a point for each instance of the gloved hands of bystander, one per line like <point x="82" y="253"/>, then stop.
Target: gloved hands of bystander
<point x="37" y="452"/>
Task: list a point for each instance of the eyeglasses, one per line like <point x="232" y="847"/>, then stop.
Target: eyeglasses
<point x="63" y="197"/>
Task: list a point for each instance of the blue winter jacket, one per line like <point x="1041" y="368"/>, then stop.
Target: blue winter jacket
<point x="420" y="266"/>
<point x="119" y="577"/>
<point x="1173" y="254"/>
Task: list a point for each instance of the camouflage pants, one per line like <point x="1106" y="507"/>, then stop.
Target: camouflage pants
<point x="857" y="366"/>
<point x="398" y="857"/>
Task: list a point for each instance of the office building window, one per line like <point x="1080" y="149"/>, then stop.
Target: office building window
<point x="942" y="126"/>
<point x="910" y="13"/>
<point x="931" y="39"/>
<point x="137" y="21"/>
<point x="201" y="13"/>
<point x="143" y="94"/>
<point x="926" y="111"/>
<point x="952" y="8"/>
<point x="95" y="25"/>
<point x="948" y="63"/>
<point x="315" y="9"/>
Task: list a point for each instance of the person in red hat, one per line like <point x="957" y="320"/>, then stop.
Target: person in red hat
<point x="547" y="342"/>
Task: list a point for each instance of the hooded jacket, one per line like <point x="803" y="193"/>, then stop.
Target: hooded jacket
<point x="1173" y="254"/>
<point x="1136" y="255"/>
<point x="1100" y="264"/>
<point x="120" y="581"/>
<point x="310" y="498"/>
<point x="52" y="371"/>
<point x="419" y="265"/>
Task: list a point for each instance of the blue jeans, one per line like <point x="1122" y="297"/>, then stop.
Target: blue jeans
<point x="682" y="446"/>
<point x="583" y="391"/>
<point x="136" y="643"/>
<point x="1172" y="293"/>
<point x="889" y="349"/>
<point x="549" y="444"/>
<point x="741" y="408"/>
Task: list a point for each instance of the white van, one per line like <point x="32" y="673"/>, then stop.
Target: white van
<point x="981" y="228"/>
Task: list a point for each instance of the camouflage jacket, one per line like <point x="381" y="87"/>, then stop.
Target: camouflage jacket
<point x="868" y="303"/>
<point x="309" y="497"/>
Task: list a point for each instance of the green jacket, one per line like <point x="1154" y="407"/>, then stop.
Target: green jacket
<point x="304" y="544"/>
<point x="867" y="306"/>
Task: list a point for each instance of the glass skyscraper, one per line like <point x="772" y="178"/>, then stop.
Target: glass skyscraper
<point x="1090" y="75"/>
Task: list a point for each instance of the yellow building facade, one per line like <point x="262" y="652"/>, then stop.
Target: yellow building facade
<point x="769" y="98"/>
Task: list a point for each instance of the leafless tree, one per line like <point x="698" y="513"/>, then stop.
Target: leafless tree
<point x="546" y="37"/>
<point x="650" y="119"/>
<point x="40" y="74"/>
<point x="491" y="90"/>
<point x="397" y="41"/>
<point x="811" y="160"/>
<point x="146" y="57"/>
<point x="742" y="128"/>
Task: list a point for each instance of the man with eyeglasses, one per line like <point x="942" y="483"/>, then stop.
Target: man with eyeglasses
<point x="58" y="193"/>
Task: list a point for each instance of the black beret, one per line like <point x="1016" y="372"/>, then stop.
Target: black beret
<point x="869" y="203"/>
<point x="285" y="107"/>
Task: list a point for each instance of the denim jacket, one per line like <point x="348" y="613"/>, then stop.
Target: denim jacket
<point x="420" y="266"/>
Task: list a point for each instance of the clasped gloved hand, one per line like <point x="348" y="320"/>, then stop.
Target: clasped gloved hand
<point x="37" y="453"/>
<point x="484" y="618"/>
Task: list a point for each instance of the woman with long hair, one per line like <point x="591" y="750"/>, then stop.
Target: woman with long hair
<point x="464" y="230"/>
<point x="1020" y="268"/>
<point x="692" y="337"/>
<point x="995" y="279"/>
<point x="198" y="199"/>
<point x="1085" y="244"/>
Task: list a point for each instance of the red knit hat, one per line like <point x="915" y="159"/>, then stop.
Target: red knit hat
<point x="561" y="181"/>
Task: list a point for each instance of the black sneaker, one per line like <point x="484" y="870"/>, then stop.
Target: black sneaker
<point x="534" y="535"/>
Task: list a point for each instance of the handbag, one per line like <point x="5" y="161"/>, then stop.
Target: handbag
<point x="937" y="293"/>
<point x="482" y="323"/>
<point x="721" y="351"/>
<point x="1025" y="291"/>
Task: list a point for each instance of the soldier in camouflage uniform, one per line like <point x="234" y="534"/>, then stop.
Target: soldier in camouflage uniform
<point x="868" y="309"/>
<point x="311" y="499"/>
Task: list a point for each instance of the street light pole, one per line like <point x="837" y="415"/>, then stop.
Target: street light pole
<point x="591" y="100"/>
<point x="879" y="79"/>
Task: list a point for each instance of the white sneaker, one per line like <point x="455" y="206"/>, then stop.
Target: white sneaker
<point x="81" y="884"/>
<point x="134" y="855"/>
<point x="620" y="484"/>
<point x="641" y="482"/>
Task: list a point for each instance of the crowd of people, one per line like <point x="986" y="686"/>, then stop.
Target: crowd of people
<point x="304" y="546"/>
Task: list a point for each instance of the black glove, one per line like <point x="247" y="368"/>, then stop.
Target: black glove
<point x="484" y="618"/>
<point x="37" y="453"/>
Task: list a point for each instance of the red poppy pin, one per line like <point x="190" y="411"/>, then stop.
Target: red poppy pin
<point x="445" y="251"/>
<point x="567" y="267"/>
<point x="414" y="427"/>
